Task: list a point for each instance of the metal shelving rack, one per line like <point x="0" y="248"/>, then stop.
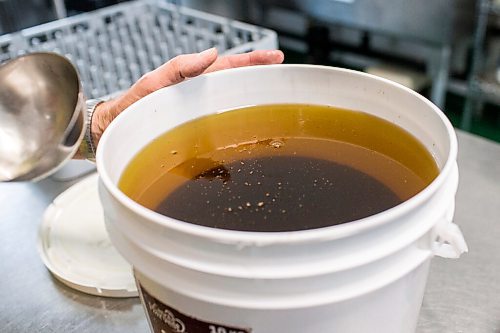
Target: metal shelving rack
<point x="480" y="88"/>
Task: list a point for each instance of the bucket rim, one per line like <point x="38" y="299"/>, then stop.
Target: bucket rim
<point x="266" y="238"/>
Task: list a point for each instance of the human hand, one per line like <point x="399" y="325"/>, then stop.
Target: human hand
<point x="172" y="72"/>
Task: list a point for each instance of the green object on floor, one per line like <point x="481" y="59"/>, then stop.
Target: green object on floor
<point x="487" y="124"/>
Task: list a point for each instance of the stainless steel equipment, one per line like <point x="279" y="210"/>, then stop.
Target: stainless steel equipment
<point x="42" y="115"/>
<point x="432" y="25"/>
<point x="483" y="82"/>
<point x="429" y="21"/>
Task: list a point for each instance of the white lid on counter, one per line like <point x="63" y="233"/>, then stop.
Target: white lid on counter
<point x="75" y="246"/>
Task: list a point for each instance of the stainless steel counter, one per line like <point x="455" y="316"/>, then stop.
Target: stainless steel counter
<point x="462" y="295"/>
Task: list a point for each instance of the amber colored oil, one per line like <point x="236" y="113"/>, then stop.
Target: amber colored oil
<point x="279" y="167"/>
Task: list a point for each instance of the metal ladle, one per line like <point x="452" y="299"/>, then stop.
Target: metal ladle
<point x="42" y="115"/>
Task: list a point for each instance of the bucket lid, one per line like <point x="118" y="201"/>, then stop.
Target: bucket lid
<point x="75" y="246"/>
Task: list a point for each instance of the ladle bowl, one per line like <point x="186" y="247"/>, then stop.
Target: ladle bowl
<point x="42" y="115"/>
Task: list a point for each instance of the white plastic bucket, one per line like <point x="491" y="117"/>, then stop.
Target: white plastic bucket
<point x="364" y="276"/>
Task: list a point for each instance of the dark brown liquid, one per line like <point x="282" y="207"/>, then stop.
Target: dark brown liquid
<point x="277" y="193"/>
<point x="279" y="168"/>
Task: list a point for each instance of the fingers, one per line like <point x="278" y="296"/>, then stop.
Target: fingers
<point x="190" y="65"/>
<point x="185" y="66"/>
<point x="175" y="71"/>
<point x="172" y="72"/>
<point x="259" y="57"/>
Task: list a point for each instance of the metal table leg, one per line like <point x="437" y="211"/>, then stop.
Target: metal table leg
<point x="482" y="11"/>
<point x="440" y="76"/>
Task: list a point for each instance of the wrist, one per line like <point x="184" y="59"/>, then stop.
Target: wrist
<point x="96" y="122"/>
<point x="89" y="144"/>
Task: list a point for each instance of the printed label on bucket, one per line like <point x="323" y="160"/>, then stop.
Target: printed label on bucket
<point x="164" y="319"/>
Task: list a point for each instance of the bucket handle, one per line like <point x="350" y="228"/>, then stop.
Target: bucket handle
<point x="448" y="241"/>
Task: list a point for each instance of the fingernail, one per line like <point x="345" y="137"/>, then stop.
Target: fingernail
<point x="276" y="54"/>
<point x="208" y="51"/>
